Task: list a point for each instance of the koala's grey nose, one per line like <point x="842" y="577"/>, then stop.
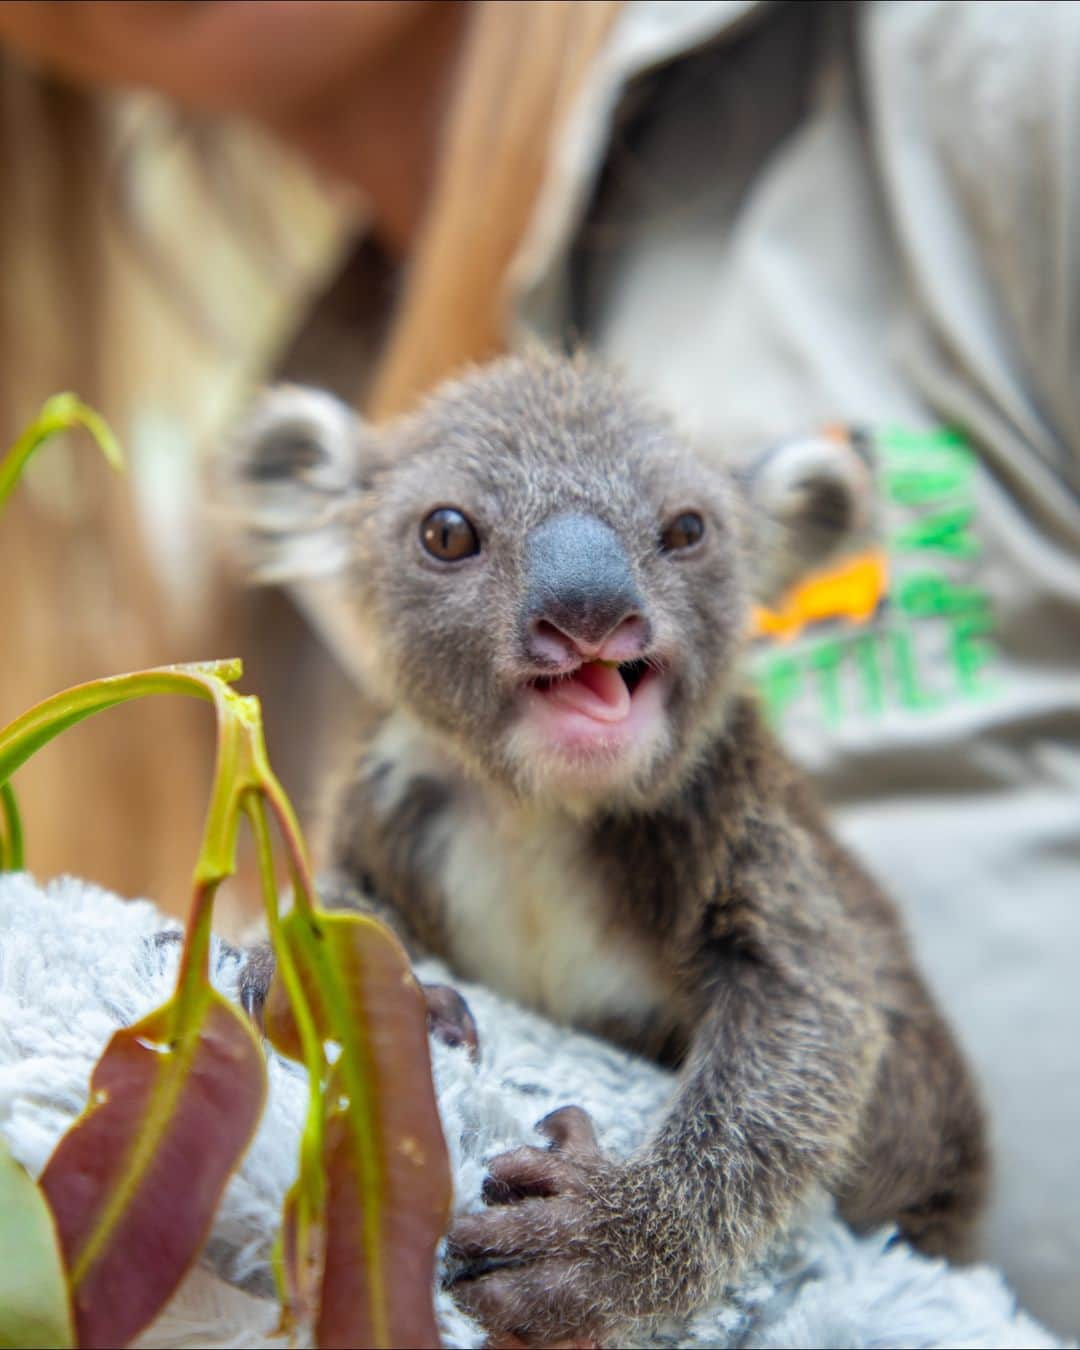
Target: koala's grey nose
<point x="580" y="590"/>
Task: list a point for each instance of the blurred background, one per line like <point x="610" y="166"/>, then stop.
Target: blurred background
<point x="774" y="215"/>
<point x="156" y="262"/>
<point x="163" y="257"/>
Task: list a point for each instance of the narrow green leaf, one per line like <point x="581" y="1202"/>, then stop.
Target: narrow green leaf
<point x="20" y="739"/>
<point x="136" y="1181"/>
<point x="299" y="1250"/>
<point x="62" y="412"/>
<point x="386" y="1169"/>
<point x="34" y="1308"/>
<point x="11" y="833"/>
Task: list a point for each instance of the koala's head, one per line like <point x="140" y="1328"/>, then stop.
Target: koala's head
<point x="542" y="571"/>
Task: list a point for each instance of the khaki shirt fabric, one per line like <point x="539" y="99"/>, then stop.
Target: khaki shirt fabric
<point x="777" y="216"/>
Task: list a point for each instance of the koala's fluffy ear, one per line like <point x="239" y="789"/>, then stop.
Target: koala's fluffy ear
<point x="810" y="499"/>
<point x="283" y="484"/>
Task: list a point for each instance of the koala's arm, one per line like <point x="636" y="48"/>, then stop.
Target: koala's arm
<point x="769" y="1103"/>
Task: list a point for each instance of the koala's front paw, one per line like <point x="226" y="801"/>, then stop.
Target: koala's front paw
<point x="538" y="1267"/>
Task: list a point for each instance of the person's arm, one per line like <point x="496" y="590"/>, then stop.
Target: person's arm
<point x="975" y="111"/>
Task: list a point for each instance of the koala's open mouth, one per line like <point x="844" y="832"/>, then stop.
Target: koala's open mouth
<point x="630" y="671"/>
<point x="600" y="690"/>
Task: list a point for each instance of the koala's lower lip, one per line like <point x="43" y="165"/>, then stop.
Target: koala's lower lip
<point x="596" y="707"/>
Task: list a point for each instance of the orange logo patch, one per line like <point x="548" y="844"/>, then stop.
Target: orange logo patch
<point x="852" y="591"/>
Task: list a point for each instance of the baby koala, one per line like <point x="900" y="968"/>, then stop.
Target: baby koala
<point x="566" y="791"/>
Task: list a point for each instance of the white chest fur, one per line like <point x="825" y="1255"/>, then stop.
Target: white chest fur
<point x="527" y="916"/>
<point x="525" y="909"/>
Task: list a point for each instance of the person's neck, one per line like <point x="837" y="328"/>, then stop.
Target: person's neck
<point x="379" y="131"/>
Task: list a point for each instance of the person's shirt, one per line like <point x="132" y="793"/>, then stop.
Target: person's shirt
<point x="777" y="217"/>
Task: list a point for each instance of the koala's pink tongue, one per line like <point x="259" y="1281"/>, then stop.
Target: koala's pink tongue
<point x="596" y="690"/>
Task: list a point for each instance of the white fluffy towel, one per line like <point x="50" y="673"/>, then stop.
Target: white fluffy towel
<point x="76" y="963"/>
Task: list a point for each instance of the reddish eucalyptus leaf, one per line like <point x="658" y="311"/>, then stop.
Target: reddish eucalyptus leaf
<point x="387" y="1176"/>
<point x="405" y="1212"/>
<point x="135" y="1182"/>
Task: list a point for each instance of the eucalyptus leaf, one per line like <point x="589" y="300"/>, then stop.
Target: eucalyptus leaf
<point x="62" y="412"/>
<point x="385" y="1171"/>
<point x="34" y="1307"/>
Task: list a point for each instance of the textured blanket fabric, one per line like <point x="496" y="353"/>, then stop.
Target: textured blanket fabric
<point x="76" y="963"/>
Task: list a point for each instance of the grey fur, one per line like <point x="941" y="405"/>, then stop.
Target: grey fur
<point x="729" y="932"/>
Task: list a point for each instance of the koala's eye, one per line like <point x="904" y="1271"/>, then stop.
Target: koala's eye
<point x="685" y="530"/>
<point x="448" y="535"/>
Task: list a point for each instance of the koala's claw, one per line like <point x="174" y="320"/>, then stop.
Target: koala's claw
<point x="536" y="1172"/>
<point x="571" y="1132"/>
<point x="450" y="1019"/>
<point x="255" y="980"/>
